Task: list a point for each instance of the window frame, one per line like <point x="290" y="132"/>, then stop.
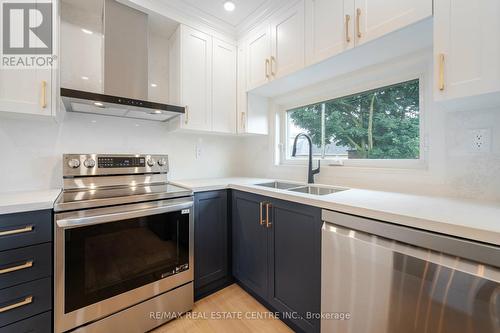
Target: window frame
<point x="282" y="150"/>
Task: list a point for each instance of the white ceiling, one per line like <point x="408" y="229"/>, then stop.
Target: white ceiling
<point x="244" y="9"/>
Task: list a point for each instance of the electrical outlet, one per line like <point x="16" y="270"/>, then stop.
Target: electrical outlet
<point x="480" y="140"/>
<point x="198" y="151"/>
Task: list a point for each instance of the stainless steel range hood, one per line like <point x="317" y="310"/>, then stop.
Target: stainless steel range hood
<point x="114" y="60"/>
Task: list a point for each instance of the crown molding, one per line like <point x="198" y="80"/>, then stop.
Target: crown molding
<point x="260" y="15"/>
<point x="187" y="14"/>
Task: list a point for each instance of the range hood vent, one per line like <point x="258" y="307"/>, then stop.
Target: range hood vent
<point x="107" y="105"/>
<point x="115" y="61"/>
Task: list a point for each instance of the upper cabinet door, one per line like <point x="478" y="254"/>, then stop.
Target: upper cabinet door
<point x="196" y="78"/>
<point x="287" y="33"/>
<point x="224" y="87"/>
<point x="27" y="91"/>
<point x="467" y="48"/>
<point x="242" y="91"/>
<point x="375" y="18"/>
<point x="329" y="28"/>
<point x="258" y="58"/>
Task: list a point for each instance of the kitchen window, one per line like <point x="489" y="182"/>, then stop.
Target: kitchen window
<point x="378" y="124"/>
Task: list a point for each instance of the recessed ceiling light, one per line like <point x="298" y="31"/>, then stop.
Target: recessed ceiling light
<point x="99" y="104"/>
<point x="88" y="32"/>
<point x="157" y="112"/>
<point x="229" y="6"/>
<point x="85" y="78"/>
<point x="154" y="85"/>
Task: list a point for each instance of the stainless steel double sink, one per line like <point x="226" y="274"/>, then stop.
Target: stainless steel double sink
<point x="309" y="189"/>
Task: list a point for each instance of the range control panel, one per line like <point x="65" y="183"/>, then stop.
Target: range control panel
<point x="113" y="164"/>
<point x="121" y="162"/>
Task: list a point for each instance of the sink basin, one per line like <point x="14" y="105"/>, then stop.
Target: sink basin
<point x="316" y="190"/>
<point x="279" y="185"/>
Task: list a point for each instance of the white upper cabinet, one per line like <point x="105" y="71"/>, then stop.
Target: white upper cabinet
<point x="258" y="58"/>
<point x="375" y="18"/>
<point x="196" y="79"/>
<point x="27" y="91"/>
<point x="467" y="48"/>
<point x="287" y="41"/>
<point x="330" y="28"/>
<point x="203" y="74"/>
<point x="224" y="87"/>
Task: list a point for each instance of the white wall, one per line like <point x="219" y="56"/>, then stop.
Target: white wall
<point x="450" y="169"/>
<point x="31" y="149"/>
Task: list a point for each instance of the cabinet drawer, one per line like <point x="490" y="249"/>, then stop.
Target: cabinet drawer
<point x="41" y="323"/>
<point x="25" y="300"/>
<point x="25" y="264"/>
<point x="24" y="229"/>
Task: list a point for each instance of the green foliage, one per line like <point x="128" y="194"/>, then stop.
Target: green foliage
<point x="378" y="124"/>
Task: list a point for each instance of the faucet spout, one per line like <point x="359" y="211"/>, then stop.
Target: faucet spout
<point x="310" y="172"/>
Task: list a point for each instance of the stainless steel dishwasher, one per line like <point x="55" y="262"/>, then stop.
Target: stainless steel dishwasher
<point x="380" y="277"/>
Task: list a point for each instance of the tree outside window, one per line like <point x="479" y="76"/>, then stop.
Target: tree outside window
<point x="378" y="124"/>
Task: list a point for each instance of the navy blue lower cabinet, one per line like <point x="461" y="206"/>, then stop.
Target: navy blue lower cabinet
<point x="23" y="229"/>
<point x="211" y="239"/>
<point x="41" y="323"/>
<point x="250" y="243"/>
<point x="295" y="263"/>
<point x="277" y="256"/>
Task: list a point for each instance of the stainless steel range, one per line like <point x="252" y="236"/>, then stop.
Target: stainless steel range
<point x="124" y="244"/>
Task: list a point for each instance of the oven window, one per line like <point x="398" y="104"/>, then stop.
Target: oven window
<point x="108" y="259"/>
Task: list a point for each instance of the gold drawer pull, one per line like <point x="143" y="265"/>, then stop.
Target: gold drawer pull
<point x="243" y="119"/>
<point x="44" y="95"/>
<point x="26" y="301"/>
<point x="347" y="21"/>
<point x="268" y="224"/>
<point x="358" y="22"/>
<point x="441" y="72"/>
<point x="186" y="115"/>
<point x="17" y="231"/>
<point x="27" y="264"/>
<point x="261" y="220"/>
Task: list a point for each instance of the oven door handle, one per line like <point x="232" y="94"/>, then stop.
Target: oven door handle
<point x="83" y="221"/>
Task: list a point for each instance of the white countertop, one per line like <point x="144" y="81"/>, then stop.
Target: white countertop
<point x="214" y="184"/>
<point x="16" y="202"/>
<point x="462" y="218"/>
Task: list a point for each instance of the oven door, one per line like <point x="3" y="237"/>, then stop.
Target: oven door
<point x="108" y="259"/>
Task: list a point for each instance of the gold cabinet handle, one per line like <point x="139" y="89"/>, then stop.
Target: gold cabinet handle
<point x="347" y="21"/>
<point x="267" y="68"/>
<point x="358" y="22"/>
<point x="16" y="231"/>
<point x="441" y="72"/>
<point x="186" y="115"/>
<point x="26" y="301"/>
<point x="44" y="95"/>
<point x="268" y="224"/>
<point x="27" y="264"/>
<point x="243" y="119"/>
<point x="273" y="61"/>
<point x="261" y="219"/>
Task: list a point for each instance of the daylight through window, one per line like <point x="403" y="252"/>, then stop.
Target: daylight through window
<point x="383" y="123"/>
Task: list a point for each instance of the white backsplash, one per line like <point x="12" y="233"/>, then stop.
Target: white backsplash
<point x="31" y="148"/>
<point x="453" y="169"/>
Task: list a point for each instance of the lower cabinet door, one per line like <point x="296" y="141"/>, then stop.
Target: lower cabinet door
<point x="41" y="323"/>
<point x="295" y="264"/>
<point x="25" y="300"/>
<point x="250" y="243"/>
<point x="211" y="267"/>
